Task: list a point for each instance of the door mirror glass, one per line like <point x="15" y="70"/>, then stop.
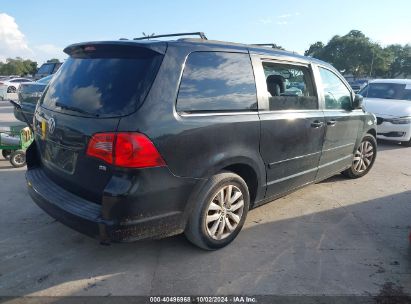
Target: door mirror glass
<point x="357" y="103"/>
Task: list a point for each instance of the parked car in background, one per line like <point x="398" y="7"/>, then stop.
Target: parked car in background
<point x="46" y="69"/>
<point x="149" y="139"/>
<point x="9" y="87"/>
<point x="28" y="95"/>
<point x="4" y="78"/>
<point x="357" y="85"/>
<point x="390" y="101"/>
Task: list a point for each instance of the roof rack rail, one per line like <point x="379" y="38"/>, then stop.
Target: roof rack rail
<point x="201" y="34"/>
<point x="265" y="44"/>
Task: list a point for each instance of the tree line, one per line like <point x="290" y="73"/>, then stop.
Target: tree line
<point x="20" y="66"/>
<point x="356" y="54"/>
<point x="353" y="53"/>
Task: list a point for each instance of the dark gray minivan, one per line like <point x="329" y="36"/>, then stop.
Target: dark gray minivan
<point x="146" y="139"/>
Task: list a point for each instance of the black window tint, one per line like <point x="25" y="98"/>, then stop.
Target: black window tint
<point x="217" y="81"/>
<point x="106" y="84"/>
<point x="56" y="67"/>
<point x="289" y="87"/>
<point x="336" y="94"/>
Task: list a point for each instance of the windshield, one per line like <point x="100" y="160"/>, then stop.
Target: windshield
<point x="387" y="91"/>
<point x="104" y="84"/>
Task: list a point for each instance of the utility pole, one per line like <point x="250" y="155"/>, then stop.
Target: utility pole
<point x="372" y="61"/>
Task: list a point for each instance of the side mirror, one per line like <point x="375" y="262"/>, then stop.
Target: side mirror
<point x="357" y="103"/>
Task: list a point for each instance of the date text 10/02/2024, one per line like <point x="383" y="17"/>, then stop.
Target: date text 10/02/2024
<point x="203" y="299"/>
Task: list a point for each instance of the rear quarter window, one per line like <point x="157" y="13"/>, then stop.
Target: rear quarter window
<point x="217" y="82"/>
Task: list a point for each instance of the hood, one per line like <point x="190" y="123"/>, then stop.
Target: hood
<point x="388" y="107"/>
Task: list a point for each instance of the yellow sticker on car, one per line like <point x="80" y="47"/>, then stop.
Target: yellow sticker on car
<point x="43" y="129"/>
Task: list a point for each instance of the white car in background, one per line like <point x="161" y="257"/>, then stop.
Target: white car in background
<point x="9" y="87"/>
<point x="390" y="101"/>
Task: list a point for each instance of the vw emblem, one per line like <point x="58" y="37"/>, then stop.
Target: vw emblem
<point x="52" y="125"/>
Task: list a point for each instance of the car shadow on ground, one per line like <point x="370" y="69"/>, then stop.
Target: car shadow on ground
<point x="332" y="179"/>
<point x="5" y="163"/>
<point x="384" y="145"/>
<point x="354" y="249"/>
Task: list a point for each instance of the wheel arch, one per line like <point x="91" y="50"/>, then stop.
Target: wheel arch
<point x="248" y="174"/>
<point x="252" y="173"/>
<point x="249" y="170"/>
<point x="373" y="132"/>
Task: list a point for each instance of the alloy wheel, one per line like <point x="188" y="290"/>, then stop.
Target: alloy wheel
<point x="363" y="157"/>
<point x="224" y="212"/>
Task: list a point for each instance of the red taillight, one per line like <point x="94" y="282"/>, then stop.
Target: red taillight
<point x="101" y="146"/>
<point x="133" y="150"/>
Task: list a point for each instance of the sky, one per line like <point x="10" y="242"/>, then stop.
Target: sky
<point x="39" y="30"/>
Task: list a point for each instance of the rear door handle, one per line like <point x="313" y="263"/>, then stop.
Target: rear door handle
<point x="316" y="124"/>
<point x="331" y="122"/>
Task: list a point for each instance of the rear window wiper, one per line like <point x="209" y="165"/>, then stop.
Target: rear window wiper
<point x="74" y="109"/>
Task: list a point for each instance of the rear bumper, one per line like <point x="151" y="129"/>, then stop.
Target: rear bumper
<point x="95" y="220"/>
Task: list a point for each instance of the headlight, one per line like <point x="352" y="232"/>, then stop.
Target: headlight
<point x="401" y="121"/>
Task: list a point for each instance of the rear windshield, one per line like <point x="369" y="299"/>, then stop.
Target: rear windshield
<point x="106" y="83"/>
<point x="46" y="68"/>
<point x="387" y="91"/>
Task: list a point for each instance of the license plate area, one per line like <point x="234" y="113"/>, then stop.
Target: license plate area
<point x="60" y="157"/>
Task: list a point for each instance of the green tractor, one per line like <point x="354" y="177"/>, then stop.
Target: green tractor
<point x="14" y="141"/>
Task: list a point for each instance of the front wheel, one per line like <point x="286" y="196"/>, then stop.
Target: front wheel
<point x="364" y="158"/>
<point x="18" y="158"/>
<point x="220" y="212"/>
<point x="406" y="143"/>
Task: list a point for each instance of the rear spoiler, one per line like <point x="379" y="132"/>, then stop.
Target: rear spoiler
<point x="159" y="47"/>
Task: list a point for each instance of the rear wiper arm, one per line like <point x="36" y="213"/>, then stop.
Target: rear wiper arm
<point x="74" y="109"/>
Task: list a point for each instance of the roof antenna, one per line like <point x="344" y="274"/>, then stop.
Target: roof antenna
<point x="148" y="36"/>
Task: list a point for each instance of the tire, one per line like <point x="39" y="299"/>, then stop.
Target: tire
<point x="211" y="204"/>
<point x="364" y="158"/>
<point x="6" y="153"/>
<point x="406" y="143"/>
<point x="18" y="158"/>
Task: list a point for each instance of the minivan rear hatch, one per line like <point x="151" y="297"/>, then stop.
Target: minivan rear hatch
<point x="97" y="85"/>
